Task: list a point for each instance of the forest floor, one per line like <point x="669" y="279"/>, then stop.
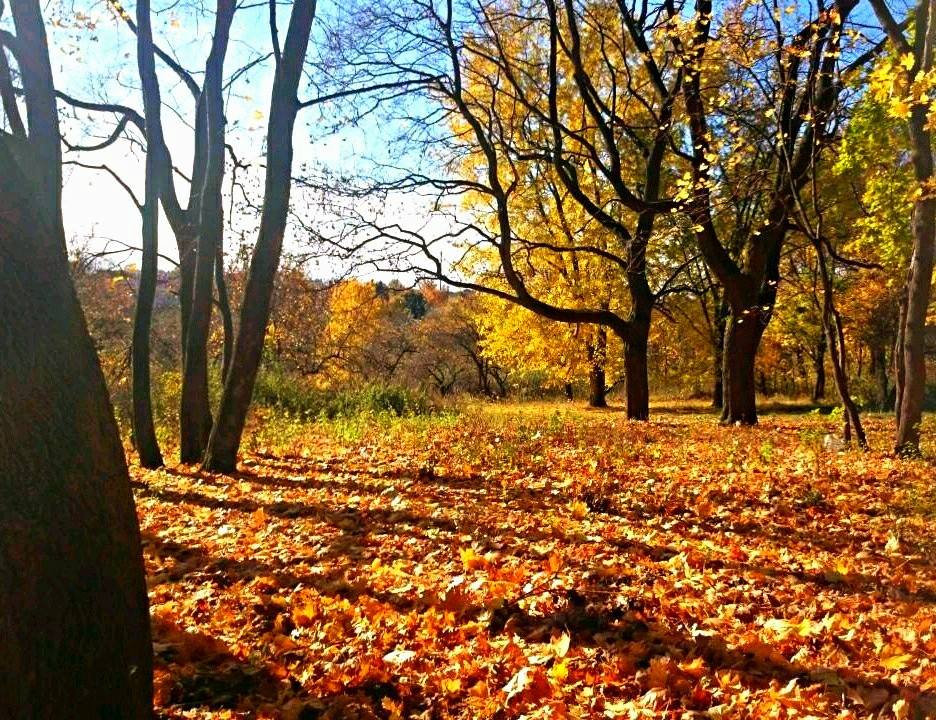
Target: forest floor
<point x="545" y="562"/>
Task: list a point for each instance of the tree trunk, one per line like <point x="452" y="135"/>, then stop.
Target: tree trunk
<point x="144" y="432"/>
<point x="718" y="353"/>
<point x="596" y="370"/>
<point x="195" y="411"/>
<point x="898" y="359"/>
<point x="914" y="334"/>
<point x="741" y="343"/>
<point x="567" y="389"/>
<point x="73" y="606"/>
<point x="186" y="247"/>
<point x="255" y="307"/>
<point x="224" y="307"/>
<point x="835" y="335"/>
<point x="819" y="366"/>
<point x="636" y="381"/>
<point x="879" y="361"/>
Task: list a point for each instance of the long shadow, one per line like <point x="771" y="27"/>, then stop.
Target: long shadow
<point x="591" y="624"/>
<point x="357" y="523"/>
<point x="221" y="681"/>
<point x="198" y="672"/>
<point x="195" y="670"/>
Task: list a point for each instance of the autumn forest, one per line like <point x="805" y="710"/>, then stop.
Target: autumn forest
<point x="467" y="359"/>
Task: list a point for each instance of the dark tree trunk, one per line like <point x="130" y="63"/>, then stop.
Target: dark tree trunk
<point x="73" y="606"/>
<point x="224" y="307"/>
<point x="910" y="358"/>
<point x="741" y="342"/>
<point x="718" y="353"/>
<point x="819" y="366"/>
<point x="596" y="386"/>
<point x="186" y="245"/>
<point x="636" y="383"/>
<point x="596" y="371"/>
<point x="879" y="363"/>
<point x="636" y="374"/>
<point x="835" y="335"/>
<point x="144" y="432"/>
<point x="914" y="331"/>
<point x="195" y="411"/>
<point x="567" y="389"/>
<point x="898" y="359"/>
<point x="255" y="307"/>
<point x="74" y="620"/>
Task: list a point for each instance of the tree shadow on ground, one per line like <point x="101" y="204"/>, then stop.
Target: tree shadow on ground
<point x="207" y="675"/>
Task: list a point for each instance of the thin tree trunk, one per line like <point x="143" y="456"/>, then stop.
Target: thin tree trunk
<point x="144" y="432"/>
<point x="255" y="307"/>
<point x="195" y="411"/>
<point x="186" y="245"/>
<point x="914" y="331"/>
<point x="879" y="361"/>
<point x="898" y="359"/>
<point x="74" y="620"/>
<point x="224" y="307"/>
<point x="819" y="366"/>
<point x="835" y="335"/>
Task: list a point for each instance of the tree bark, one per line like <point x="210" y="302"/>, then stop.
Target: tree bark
<point x="910" y="360"/>
<point x="718" y="354"/>
<point x="914" y="334"/>
<point x="227" y="320"/>
<point x="255" y="307"/>
<point x="144" y="431"/>
<point x="636" y="374"/>
<point x="819" y="366"/>
<point x="879" y="361"/>
<point x="195" y="411"/>
<point x="741" y="343"/>
<point x="73" y="604"/>
<point x="596" y="371"/>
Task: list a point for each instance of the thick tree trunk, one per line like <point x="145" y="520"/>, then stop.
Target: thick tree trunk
<point x="741" y="342"/>
<point x="255" y="307"/>
<point x="74" y="620"/>
<point x="73" y="606"/>
<point x="596" y="386"/>
<point x="819" y="367"/>
<point x="636" y="375"/>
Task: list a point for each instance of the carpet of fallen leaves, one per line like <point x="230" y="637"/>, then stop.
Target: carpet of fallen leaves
<point x="538" y="562"/>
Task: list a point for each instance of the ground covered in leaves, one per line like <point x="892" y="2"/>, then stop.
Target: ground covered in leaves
<point x="543" y="562"/>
